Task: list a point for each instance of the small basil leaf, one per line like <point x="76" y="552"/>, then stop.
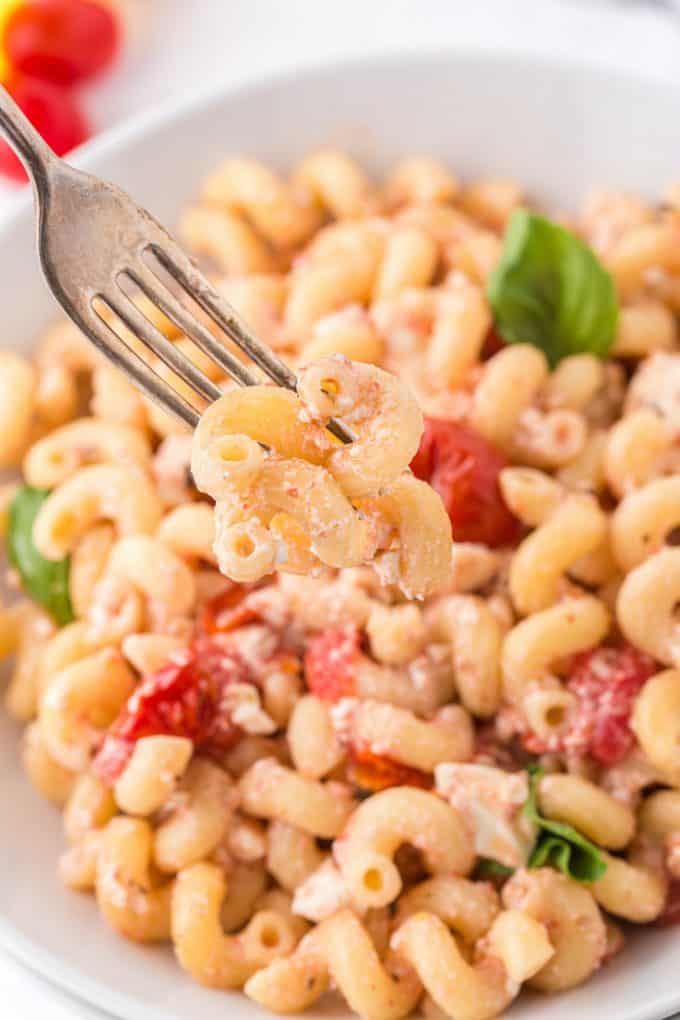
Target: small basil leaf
<point x="550" y="290"/>
<point x="488" y="868"/>
<point x="46" y="581"/>
<point x="565" y="853"/>
<point x="560" y="845"/>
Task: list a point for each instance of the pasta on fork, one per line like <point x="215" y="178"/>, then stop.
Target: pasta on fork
<point x="289" y="496"/>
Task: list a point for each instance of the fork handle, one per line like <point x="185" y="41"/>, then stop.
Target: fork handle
<point x="30" y="147"/>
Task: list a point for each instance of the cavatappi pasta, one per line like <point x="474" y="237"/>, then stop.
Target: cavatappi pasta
<point x="305" y="500"/>
<point x="341" y="766"/>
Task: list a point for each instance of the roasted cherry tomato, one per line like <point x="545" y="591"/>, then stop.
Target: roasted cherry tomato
<point x="606" y="682"/>
<point x="62" y="41"/>
<point x="463" y="468"/>
<point x="227" y="610"/>
<point x="52" y="110"/>
<point x="330" y="660"/>
<point x="375" y="772"/>
<point x="183" y="699"/>
<point x="493" y="343"/>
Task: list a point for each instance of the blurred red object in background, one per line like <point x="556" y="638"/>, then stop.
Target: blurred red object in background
<point x="46" y="47"/>
<point x="52" y="110"/>
<point x="63" y="41"/>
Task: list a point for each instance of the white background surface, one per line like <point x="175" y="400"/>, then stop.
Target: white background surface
<point x="177" y="47"/>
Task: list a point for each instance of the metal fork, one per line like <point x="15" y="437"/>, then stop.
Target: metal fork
<point x="92" y="238"/>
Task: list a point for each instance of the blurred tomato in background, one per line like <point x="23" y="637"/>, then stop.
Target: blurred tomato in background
<point x="47" y="49"/>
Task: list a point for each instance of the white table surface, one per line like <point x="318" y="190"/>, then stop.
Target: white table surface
<point x="181" y="46"/>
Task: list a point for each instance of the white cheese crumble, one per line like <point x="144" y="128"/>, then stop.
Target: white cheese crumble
<point x="242" y="702"/>
<point x="490" y="801"/>
<point x="321" y="894"/>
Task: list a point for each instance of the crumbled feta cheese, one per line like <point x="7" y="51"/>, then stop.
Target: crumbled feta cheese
<point x="388" y="567"/>
<point x="242" y="702"/>
<point x="342" y="718"/>
<point x="321" y="894"/>
<point x="490" y="801"/>
<point x="256" y="645"/>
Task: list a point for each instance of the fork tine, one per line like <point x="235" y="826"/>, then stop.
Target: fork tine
<point x="140" y="326"/>
<point x="128" y="361"/>
<point x="156" y="291"/>
<point x="181" y="268"/>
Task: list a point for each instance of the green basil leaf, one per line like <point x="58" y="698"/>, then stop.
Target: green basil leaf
<point x="46" y="581"/>
<point x="550" y="290"/>
<point x="488" y="868"/>
<point x="566" y="854"/>
<point x="560" y="845"/>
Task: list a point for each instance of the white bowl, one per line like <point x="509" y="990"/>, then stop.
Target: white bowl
<point x="560" y="128"/>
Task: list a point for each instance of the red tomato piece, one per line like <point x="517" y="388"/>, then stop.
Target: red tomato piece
<point x="227" y="610"/>
<point x="330" y="658"/>
<point x="53" y="111"/>
<point x="61" y="41"/>
<point x="183" y="699"/>
<point x="606" y="682"/>
<point x="493" y="343"/>
<point x="671" y="912"/>
<point x="375" y="772"/>
<point x="463" y="468"/>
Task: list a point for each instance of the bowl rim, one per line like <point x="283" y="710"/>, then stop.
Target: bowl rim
<point x="160" y="115"/>
<point x="158" y="118"/>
